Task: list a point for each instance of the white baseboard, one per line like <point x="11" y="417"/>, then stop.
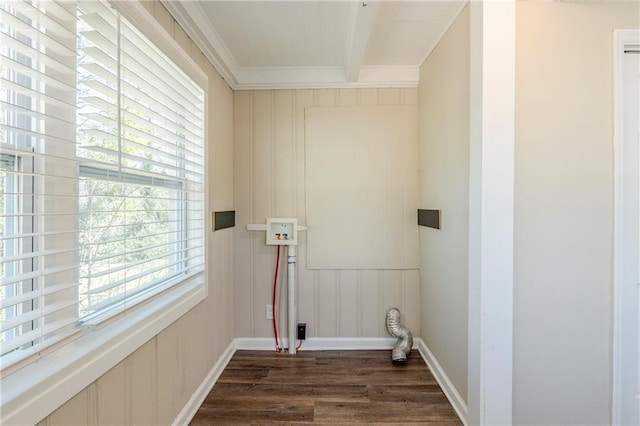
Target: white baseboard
<point x="191" y="408"/>
<point x="256" y="343"/>
<point x="318" y="343"/>
<point x="458" y="403"/>
<point x="347" y="343"/>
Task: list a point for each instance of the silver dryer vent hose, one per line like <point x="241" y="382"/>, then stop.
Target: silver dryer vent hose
<point x="405" y="339"/>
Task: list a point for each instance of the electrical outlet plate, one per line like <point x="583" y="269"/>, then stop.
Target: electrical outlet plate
<point x="282" y="231"/>
<point x="302" y="330"/>
<point x="269" y="312"/>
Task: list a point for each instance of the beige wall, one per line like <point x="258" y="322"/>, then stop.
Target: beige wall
<point x="564" y="210"/>
<point x="154" y="383"/>
<point x="444" y="185"/>
<point x="270" y="182"/>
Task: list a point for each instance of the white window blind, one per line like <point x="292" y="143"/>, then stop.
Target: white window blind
<point x="39" y="258"/>
<point x="102" y="172"/>
<point x="140" y="134"/>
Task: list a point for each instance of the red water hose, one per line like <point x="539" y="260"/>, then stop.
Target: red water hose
<point x="273" y="302"/>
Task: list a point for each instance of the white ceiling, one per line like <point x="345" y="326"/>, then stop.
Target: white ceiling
<point x="316" y="43"/>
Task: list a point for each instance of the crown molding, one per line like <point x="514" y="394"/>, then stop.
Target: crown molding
<point x="325" y="77"/>
<point x="193" y="20"/>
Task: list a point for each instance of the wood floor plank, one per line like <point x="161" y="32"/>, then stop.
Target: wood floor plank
<point x="426" y="394"/>
<point x="325" y="387"/>
<point x="336" y="377"/>
<point x="252" y="393"/>
<point x="413" y="412"/>
<point x="222" y="412"/>
<point x="249" y="375"/>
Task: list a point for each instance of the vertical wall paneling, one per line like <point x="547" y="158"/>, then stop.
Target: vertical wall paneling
<point x="348" y="303"/>
<point x="371" y="314"/>
<point x="167" y="370"/>
<point x="411" y="291"/>
<point x="348" y="97"/>
<point x="390" y="97"/>
<point x="368" y="97"/>
<point x="243" y="259"/>
<point x="142" y="377"/>
<point x="269" y="130"/>
<point x="392" y="290"/>
<point x="75" y="412"/>
<point x="89" y="400"/>
<point x="264" y="191"/>
<point x="358" y="290"/>
<point x="283" y="149"/>
<point x="112" y="392"/>
<point x="306" y="279"/>
<point x="326" y="304"/>
<point x="128" y="394"/>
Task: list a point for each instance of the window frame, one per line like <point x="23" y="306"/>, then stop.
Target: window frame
<point x="23" y="166"/>
<point x="33" y="390"/>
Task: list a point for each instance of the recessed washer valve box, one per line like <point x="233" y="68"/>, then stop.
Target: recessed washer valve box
<point x="282" y="231"/>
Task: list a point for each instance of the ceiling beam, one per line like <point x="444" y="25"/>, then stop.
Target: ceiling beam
<point x="362" y="19"/>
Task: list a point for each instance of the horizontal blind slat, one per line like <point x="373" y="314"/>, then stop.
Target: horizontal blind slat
<point x="31" y="295"/>
<point x="188" y="175"/>
<point x="35" y="95"/>
<point x="33" y="254"/>
<point x="49" y="14"/>
<point x="37" y="273"/>
<point x="51" y="62"/>
<point x="147" y="248"/>
<point x="110" y="286"/>
<point x="138" y="263"/>
<point x="38" y="234"/>
<point x="163" y="64"/>
<point x="139" y="87"/>
<point x="35" y="74"/>
<point x="49" y="309"/>
<point x="35" y="337"/>
<point x="40" y="38"/>
<point x="169" y="222"/>
<point x="185" y="274"/>
<point x="34" y="135"/>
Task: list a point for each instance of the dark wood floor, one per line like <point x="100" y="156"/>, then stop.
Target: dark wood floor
<point x="330" y="387"/>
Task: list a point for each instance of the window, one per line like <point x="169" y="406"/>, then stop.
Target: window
<point x="102" y="171"/>
<point x="140" y="147"/>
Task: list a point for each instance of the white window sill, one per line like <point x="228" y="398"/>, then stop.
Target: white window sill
<point x="35" y="391"/>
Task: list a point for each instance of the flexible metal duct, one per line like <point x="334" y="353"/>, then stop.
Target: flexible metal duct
<point x="401" y="350"/>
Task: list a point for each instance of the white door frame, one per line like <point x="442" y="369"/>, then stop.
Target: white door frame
<point x="491" y="212"/>
<point x="625" y="299"/>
